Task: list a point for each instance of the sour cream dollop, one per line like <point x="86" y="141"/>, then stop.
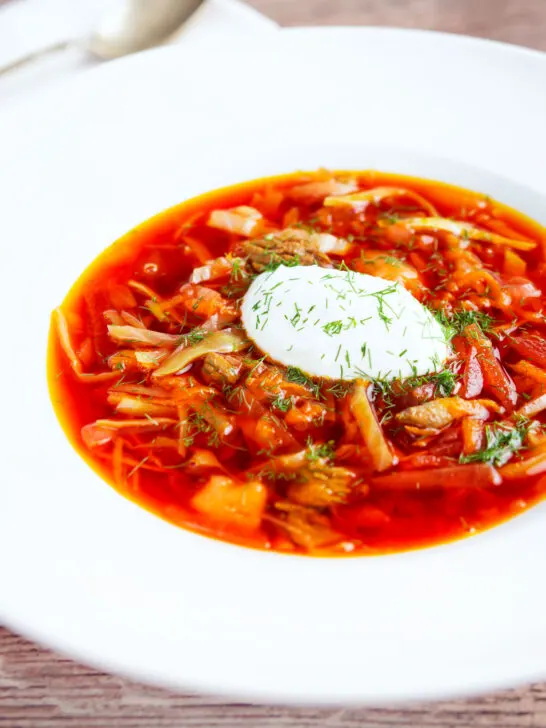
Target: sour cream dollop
<point x="340" y="324"/>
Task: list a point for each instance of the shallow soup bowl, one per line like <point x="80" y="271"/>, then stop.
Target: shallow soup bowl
<point x="95" y="576"/>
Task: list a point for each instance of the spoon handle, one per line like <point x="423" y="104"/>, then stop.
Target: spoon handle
<point x="19" y="62"/>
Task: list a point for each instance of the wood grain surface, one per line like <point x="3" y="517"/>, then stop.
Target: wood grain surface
<point x="39" y="689"/>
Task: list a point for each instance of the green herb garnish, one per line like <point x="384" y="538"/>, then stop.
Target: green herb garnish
<point x="324" y="450"/>
<point x="459" y="320"/>
<point x="295" y="375"/>
<point x="501" y="442"/>
<point x="282" y="403"/>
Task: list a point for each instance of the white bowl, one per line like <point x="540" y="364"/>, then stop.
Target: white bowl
<point x="88" y="572"/>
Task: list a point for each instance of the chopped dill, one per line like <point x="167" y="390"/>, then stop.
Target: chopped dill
<point x="275" y="262"/>
<point x="459" y="320"/>
<point x="333" y="328"/>
<point x="282" y="403"/>
<point x="193" y="337"/>
<point x="444" y="383"/>
<point x="295" y="375"/>
<point x="339" y="389"/>
<point x="237" y="269"/>
<point x="324" y="450"/>
<point x="137" y="467"/>
<point x="501" y="442"/>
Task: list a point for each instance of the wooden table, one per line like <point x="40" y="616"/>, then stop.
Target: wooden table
<point x="39" y="688"/>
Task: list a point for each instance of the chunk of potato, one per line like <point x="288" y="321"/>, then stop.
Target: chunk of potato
<point x="229" y="502"/>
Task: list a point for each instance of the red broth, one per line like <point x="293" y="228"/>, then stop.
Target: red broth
<point x="240" y="448"/>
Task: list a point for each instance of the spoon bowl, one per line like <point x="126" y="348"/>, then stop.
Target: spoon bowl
<point x="134" y="25"/>
<point x="129" y="26"/>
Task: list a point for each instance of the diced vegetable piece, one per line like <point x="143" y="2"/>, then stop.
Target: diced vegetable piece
<point x="310" y="192"/>
<point x="514" y="265"/>
<point x="443" y="411"/>
<point x="322" y="485"/>
<point x="480" y="475"/>
<point x="65" y="341"/>
<point x="139" y="406"/>
<point x="533" y="464"/>
<point x="473" y="430"/>
<point x="134" y="335"/>
<point x="423" y="432"/>
<point x="306" y="414"/>
<point x="113" y="317"/>
<point x="204" y="302"/>
<point x="94" y="435"/>
<point x="535" y="434"/>
<point x="360" y="200"/>
<point x="144" y="290"/>
<point x="421" y="460"/>
<point x="268" y="382"/>
<point x="218" y="268"/>
<point x="520" y="290"/>
<point x="132" y="320"/>
<point x="289" y="463"/>
<point x="270" y="433"/>
<point x="103" y="431"/>
<point x="149" y="360"/>
<point x="242" y="220"/>
<point x="306" y="527"/>
<point x="137" y="425"/>
<point x="202" y="462"/>
<point x="216" y="416"/>
<point x="533" y="407"/>
<point x="141" y="390"/>
<point x="380" y="449"/>
<point x="463" y="230"/>
<point x="226" y="341"/>
<point x="221" y="368"/>
<point x="473" y="375"/>
<point x="237" y="504"/>
<point x="145" y="360"/>
<point x="531" y="347"/>
<point x="495" y="377"/>
<point x="159" y="443"/>
<point x="330" y="244"/>
<point x="386" y="265"/>
<point x="156" y="309"/>
<point x="121" y="296"/>
<point x="526" y="369"/>
<point x="502" y="440"/>
<point x="75" y="363"/>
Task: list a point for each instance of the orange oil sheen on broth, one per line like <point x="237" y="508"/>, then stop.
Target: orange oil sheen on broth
<point x="161" y="253"/>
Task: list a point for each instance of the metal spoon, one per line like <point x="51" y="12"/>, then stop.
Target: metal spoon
<point x="128" y="27"/>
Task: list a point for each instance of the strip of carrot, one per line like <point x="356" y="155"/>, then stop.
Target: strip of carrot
<point x="531" y="347"/>
<point x="473" y="375"/>
<point x="117" y="461"/>
<point x="199" y="249"/>
<point x="514" y="265"/>
<point x="473" y="431"/>
<point x="527" y="369"/>
<point x="533" y="464"/>
<point x="131" y="320"/>
<point x="533" y="407"/>
<point x="143" y="289"/>
<point x="75" y="363"/>
<point x="479" y="475"/>
<point x="495" y="377"/>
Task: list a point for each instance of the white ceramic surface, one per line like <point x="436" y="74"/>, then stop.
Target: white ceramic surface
<point x="92" y="574"/>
